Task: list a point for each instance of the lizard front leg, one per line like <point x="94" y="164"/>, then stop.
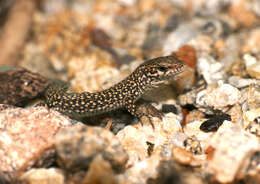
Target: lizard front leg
<point x="142" y="108"/>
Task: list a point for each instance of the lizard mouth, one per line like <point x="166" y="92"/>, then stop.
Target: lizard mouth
<point x="176" y="69"/>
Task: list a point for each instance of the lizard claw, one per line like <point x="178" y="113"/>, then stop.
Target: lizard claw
<point x="147" y="111"/>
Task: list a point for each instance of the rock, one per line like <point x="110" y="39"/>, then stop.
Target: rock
<point x="43" y="176"/>
<point x="250" y="98"/>
<point x="193" y="145"/>
<point x="95" y="44"/>
<point x="251" y="121"/>
<point x="212" y="98"/>
<point x="235" y="113"/>
<point x="135" y="139"/>
<point x="233" y="149"/>
<point x="239" y="82"/>
<point x="242" y="15"/>
<point x="27" y="138"/>
<point x="181" y="156"/>
<point x="169" y="172"/>
<point x="251" y="44"/>
<point x="211" y="70"/>
<point x="252" y="66"/>
<point x="142" y="170"/>
<point x="101" y="71"/>
<point x="100" y="171"/>
<point x="79" y="145"/>
<point x="19" y="85"/>
<point x="254" y="70"/>
<point x="219" y="97"/>
<point x="179" y="37"/>
<point x="253" y="170"/>
<point x="194" y="115"/>
<point x="192" y="129"/>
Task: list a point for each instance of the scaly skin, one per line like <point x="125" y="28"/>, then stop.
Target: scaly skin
<point x="123" y="94"/>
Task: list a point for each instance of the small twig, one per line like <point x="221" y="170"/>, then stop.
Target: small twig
<point x="15" y="30"/>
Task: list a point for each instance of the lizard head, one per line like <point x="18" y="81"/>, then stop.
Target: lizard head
<point x="161" y="69"/>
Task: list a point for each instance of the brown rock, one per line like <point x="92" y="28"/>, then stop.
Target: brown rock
<point x="18" y="85"/>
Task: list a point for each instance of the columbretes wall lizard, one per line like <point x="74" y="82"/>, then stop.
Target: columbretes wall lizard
<point x="123" y="94"/>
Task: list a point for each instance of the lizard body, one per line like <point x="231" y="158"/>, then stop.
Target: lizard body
<point x="123" y="94"/>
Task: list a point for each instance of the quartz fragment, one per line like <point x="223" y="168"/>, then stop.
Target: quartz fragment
<point x="211" y="70"/>
<point x="233" y="149"/>
<point x="219" y="97"/>
<point x="212" y="98"/>
<point x="100" y="70"/>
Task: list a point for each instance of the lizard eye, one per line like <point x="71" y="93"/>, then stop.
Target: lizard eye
<point x="162" y="68"/>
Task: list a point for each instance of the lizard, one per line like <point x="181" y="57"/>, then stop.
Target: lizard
<point x="125" y="94"/>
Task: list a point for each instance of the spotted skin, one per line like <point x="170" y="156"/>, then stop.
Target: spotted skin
<point x="123" y="94"/>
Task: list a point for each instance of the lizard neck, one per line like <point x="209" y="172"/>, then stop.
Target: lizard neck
<point x="134" y="86"/>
